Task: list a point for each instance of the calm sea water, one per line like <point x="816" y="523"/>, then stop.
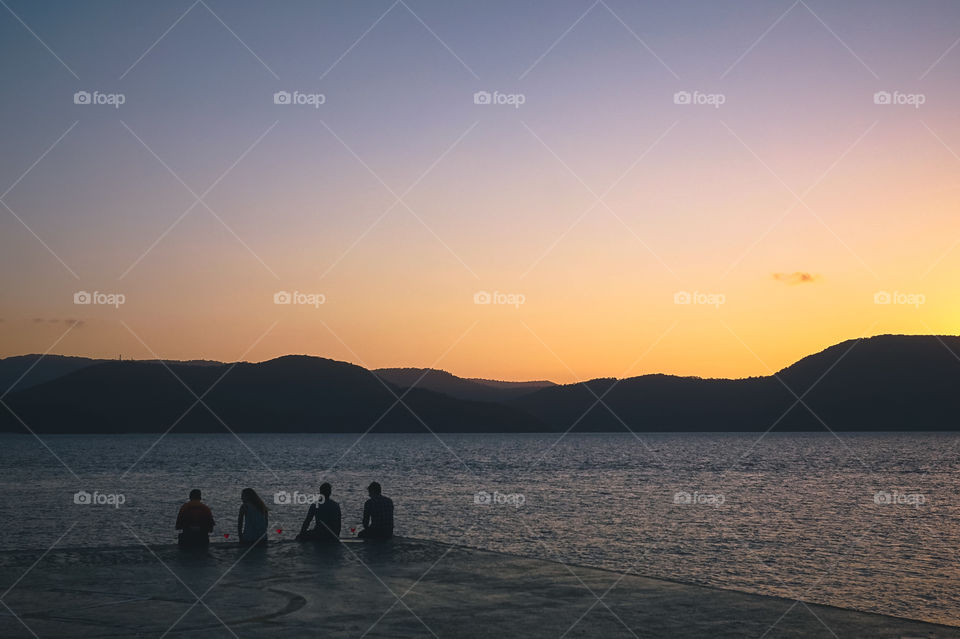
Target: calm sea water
<point x="866" y="521"/>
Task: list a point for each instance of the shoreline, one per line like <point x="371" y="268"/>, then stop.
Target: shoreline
<point x="454" y="583"/>
<point x="811" y="430"/>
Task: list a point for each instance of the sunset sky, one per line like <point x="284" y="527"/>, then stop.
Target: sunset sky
<point x="785" y="204"/>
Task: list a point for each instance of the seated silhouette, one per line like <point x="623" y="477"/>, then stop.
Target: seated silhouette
<point x="326" y="512"/>
<point x="195" y="521"/>
<point x="377" y="515"/>
<point x="252" y="519"/>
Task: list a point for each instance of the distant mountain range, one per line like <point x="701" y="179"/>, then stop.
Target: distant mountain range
<point x="882" y="383"/>
<point x="889" y="382"/>
<point x="295" y="393"/>
<point x="481" y="390"/>
<point x="23" y="371"/>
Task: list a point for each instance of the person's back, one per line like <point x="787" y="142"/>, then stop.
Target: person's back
<point x="377" y="515"/>
<point x="328" y="516"/>
<point x="195" y="520"/>
<point x="252" y="519"/>
<point x="326" y="512"/>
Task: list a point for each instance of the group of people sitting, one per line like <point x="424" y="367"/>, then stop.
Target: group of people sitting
<point x="195" y="519"/>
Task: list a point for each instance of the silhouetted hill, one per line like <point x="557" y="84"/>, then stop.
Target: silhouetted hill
<point x="889" y="382"/>
<point x="48" y="367"/>
<point x="475" y="389"/>
<point x="531" y="385"/>
<point x="29" y="370"/>
<point x="288" y="394"/>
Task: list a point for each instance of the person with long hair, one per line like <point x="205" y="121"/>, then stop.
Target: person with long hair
<point x="252" y="520"/>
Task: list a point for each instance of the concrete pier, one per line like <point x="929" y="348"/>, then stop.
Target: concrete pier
<point x="405" y="588"/>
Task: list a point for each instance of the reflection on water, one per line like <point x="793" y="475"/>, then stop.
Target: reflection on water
<point x="867" y="521"/>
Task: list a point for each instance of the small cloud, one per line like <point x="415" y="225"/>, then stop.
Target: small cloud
<point x="73" y="323"/>
<point x="799" y="277"/>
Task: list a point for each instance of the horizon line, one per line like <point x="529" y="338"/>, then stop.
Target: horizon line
<point x="120" y="358"/>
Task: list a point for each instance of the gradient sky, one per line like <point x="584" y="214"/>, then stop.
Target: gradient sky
<point x="797" y="200"/>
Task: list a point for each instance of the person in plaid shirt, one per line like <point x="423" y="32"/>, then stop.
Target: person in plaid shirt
<point x="377" y="515"/>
